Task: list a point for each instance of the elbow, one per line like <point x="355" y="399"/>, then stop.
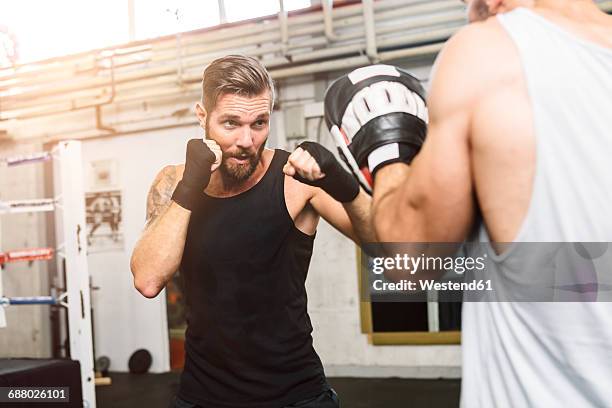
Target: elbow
<point x="149" y="291"/>
<point x="148" y="288"/>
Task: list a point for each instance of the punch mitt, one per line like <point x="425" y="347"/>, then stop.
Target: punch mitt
<point x="377" y="115"/>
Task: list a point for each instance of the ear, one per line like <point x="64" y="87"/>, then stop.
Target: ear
<point x="494" y="6"/>
<point x="201" y="114"/>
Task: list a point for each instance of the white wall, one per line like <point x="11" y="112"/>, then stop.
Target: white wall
<point x="125" y="320"/>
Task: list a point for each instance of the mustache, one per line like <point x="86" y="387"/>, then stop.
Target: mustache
<point x="241" y="154"/>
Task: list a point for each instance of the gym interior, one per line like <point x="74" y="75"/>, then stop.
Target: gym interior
<point x="95" y="99"/>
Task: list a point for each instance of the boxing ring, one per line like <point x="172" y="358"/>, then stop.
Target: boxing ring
<point x="70" y="255"/>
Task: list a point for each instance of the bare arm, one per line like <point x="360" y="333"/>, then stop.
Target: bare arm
<point x="433" y="199"/>
<point x="157" y="255"/>
<point x="351" y="219"/>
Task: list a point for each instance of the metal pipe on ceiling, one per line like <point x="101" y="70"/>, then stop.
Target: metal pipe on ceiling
<point x="149" y="70"/>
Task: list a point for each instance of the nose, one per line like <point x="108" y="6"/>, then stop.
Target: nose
<point x="245" y="139"/>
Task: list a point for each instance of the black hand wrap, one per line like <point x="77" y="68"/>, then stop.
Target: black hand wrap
<point x="337" y="182"/>
<point x="198" y="163"/>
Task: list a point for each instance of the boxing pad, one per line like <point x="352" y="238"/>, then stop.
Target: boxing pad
<point x="376" y="116"/>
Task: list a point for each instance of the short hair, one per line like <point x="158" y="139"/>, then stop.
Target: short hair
<point x="235" y="74"/>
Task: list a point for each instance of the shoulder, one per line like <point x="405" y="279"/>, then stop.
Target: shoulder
<point x="163" y="186"/>
<point x="477" y="44"/>
<point x="481" y="30"/>
<point x="168" y="176"/>
<point x="472" y="62"/>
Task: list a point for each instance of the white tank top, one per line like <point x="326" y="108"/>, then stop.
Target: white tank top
<point x="552" y="354"/>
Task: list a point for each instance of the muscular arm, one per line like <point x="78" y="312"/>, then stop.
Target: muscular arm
<point x="351" y="219"/>
<point x="348" y="213"/>
<point x="433" y="199"/>
<point x="157" y="255"/>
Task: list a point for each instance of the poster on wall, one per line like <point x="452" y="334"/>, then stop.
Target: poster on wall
<point x="104" y="221"/>
<point x="103" y="175"/>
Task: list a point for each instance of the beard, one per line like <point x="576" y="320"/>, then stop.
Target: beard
<point x="233" y="173"/>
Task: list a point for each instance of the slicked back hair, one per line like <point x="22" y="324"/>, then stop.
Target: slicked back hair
<point x="235" y="74"/>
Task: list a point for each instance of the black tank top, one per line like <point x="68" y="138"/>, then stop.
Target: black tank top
<point x="248" y="341"/>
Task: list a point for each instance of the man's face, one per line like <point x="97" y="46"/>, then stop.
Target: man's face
<point x="477" y="10"/>
<point x="240" y="125"/>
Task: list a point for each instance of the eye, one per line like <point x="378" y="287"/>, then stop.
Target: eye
<point x="230" y="123"/>
<point x="260" y="123"/>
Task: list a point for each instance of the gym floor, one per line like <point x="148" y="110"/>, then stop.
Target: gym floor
<point x="155" y="391"/>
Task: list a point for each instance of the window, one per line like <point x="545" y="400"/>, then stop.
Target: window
<point x="155" y="18"/>
<point x="44" y="29"/>
<point x="389" y="319"/>
<point x="236" y="10"/>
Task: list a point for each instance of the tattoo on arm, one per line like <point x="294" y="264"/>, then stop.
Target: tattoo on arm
<point x="160" y="194"/>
